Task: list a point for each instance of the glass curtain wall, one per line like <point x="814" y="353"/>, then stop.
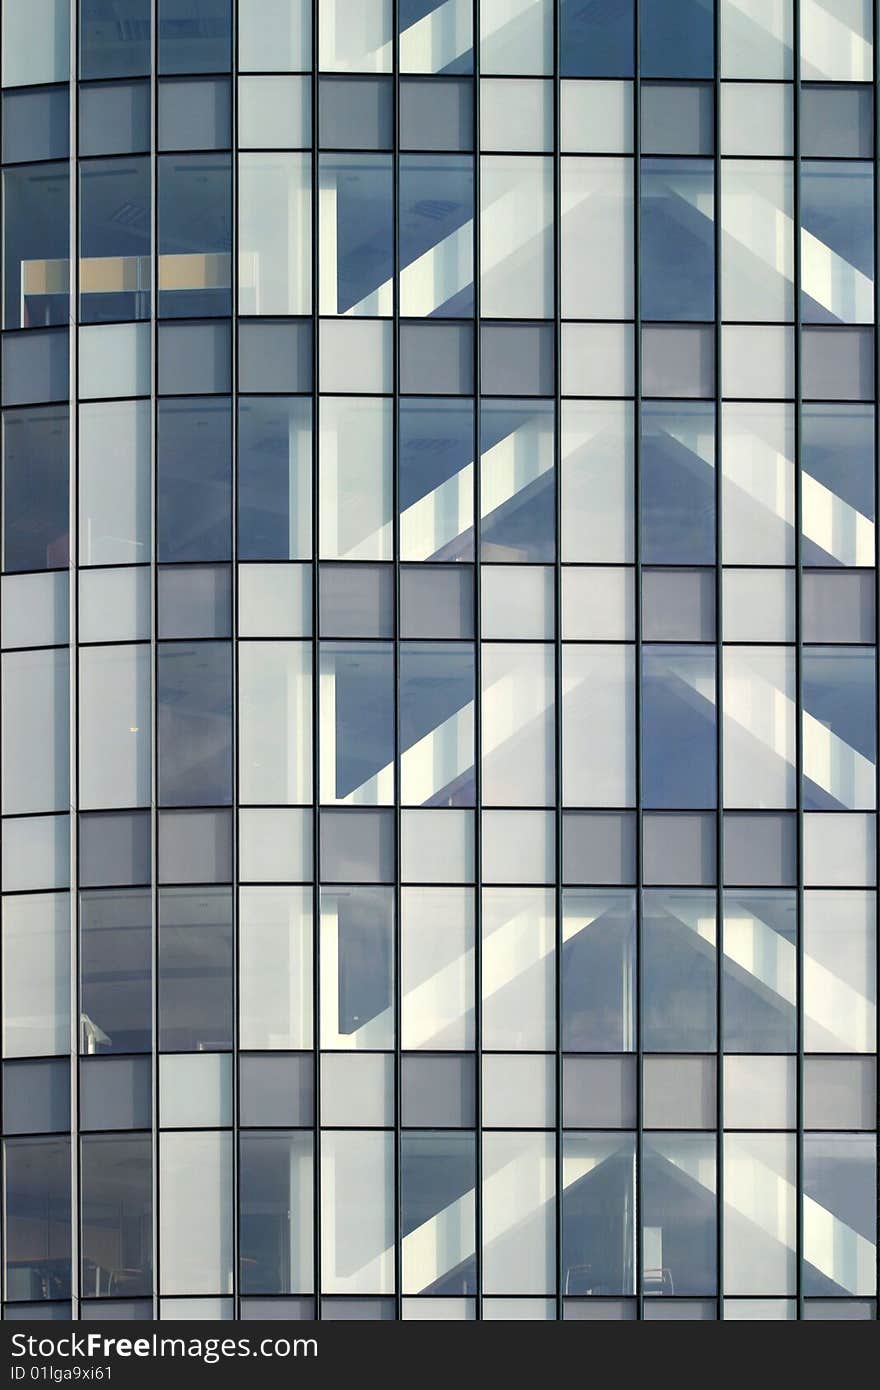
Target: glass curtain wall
<point x="439" y="709"/>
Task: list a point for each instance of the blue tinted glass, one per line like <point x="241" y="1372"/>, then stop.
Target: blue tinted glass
<point x="678" y="1214"/>
<point x="598" y="971"/>
<point x="436" y="446"/>
<point x="195" y="480"/>
<point x="274" y="478"/>
<point x="837" y="453"/>
<point x="357" y="219"/>
<point x="361" y="676"/>
<point x="678" y="727"/>
<point x="678" y="239"/>
<point x="678" y="484"/>
<point x="760" y="941"/>
<point x="837" y="201"/>
<point x="275" y="1193"/>
<point x="195" y="729"/>
<point x="195" y="235"/>
<point x="117" y="1222"/>
<point x="115" y="971"/>
<point x="839" y="728"/>
<point x="115" y="246"/>
<point x="195" y="35"/>
<point x="36" y="230"/>
<point x="114" y="38"/>
<point x="516" y="482"/>
<point x="678" y="972"/>
<point x="195" y="963"/>
<point x="436" y="711"/>
<point x="35" y="488"/>
<point x="36" y="124"/>
<point x="598" y="1235"/>
<point x="437" y="231"/>
<point x="36" y="1219"/>
<point x="596" y="38"/>
<point x="677" y="38"/>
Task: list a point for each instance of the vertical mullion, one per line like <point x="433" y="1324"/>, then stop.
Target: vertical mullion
<point x="557" y="635"/>
<point x="719" y="687"/>
<point x="316" y="676"/>
<point x="73" y="653"/>
<point x="876" y="208"/>
<point x="236" y="742"/>
<point x="154" y="628"/>
<point x="478" y="693"/>
<point x="397" y="984"/>
<point x="799" y="717"/>
<point x="637" y="594"/>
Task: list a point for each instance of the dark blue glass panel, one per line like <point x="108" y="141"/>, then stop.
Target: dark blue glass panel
<point x="274" y="477"/>
<point x="36" y="229"/>
<point x="115" y="223"/>
<point x="195" y="479"/>
<point x="596" y="38"/>
<point x="678" y="483"/>
<point x="35" y="488"/>
<point x="677" y="240"/>
<point x="195" y="35"/>
<point x="437" y="206"/>
<point x="598" y="971"/>
<point x="195" y="235"/>
<point x="36" y="1212"/>
<point x="677" y="38"/>
<point x="36" y="124"/>
<point x="678" y="727"/>
<point x="114" y="38"/>
<point x="117" y="1215"/>
<point x="275" y="1193"/>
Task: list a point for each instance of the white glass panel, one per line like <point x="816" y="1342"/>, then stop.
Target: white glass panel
<point x="357" y="1212"/>
<point x="114" y="483"/>
<point x="356" y="479"/>
<point x="757" y="455"/>
<point x="114" y="605"/>
<point x="36" y="41"/>
<point x="195" y="1090"/>
<point x="598" y="725"/>
<point x="114" y="360"/>
<point x="516" y="36"/>
<point x="519" y="1213"/>
<point x="518" y="731"/>
<point x="35" y="731"/>
<point x="275" y="968"/>
<point x="36" y="975"/>
<point x="757" y="118"/>
<point x="836" y="40"/>
<point x="356" y="35"/>
<point x="597" y="238"/>
<point x="597" y="481"/>
<point x="115" y="726"/>
<point x="274" y="35"/>
<point x="195" y="1213"/>
<point x="756" y="38"/>
<point x="760" y="1224"/>
<point x="596" y="117"/>
<point x="759" y="727"/>
<point x="36" y="853"/>
<point x="518" y="969"/>
<point x="35" y="609"/>
<point x="275" y="722"/>
<point x="840" y="972"/>
<point x="516" y="243"/>
<point x="437" y="926"/>
<point x="275" y="231"/>
<point x="757" y="239"/>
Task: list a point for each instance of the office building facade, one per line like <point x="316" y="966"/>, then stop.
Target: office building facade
<point x="439" y="700"/>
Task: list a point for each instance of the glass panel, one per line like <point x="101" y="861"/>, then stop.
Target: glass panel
<point x="678" y="727"/>
<point x="36" y="42"/>
<point x="840" y="986"/>
<point x="117" y="1216"/>
<point x="357" y="723"/>
<point x="597" y="482"/>
<point x="836" y="40"/>
<point x="516" y="236"/>
<point x="840" y="1214"/>
<point x="195" y="969"/>
<point x="837" y="242"/>
<point x="114" y="483"/>
<point x="516" y="37"/>
<point x="357" y="968"/>
<point x="35" y="731"/>
<point x="274" y="478"/>
<point x="517" y="717"/>
<point x="195" y="724"/>
<point x="36" y="975"/>
<point x="678" y="239"/>
<point x="598" y="971"/>
<point x="757" y="229"/>
<point x="760" y="1192"/>
<point x="356" y="36"/>
<point x="115" y="727"/>
<point x="35" y="488"/>
<point x="274" y="35"/>
<point x="115" y="265"/>
<point x="275" y="722"/>
<point x="275" y="1184"/>
<point x="757" y="451"/>
<point x="678" y="972"/>
<point x="598" y="1214"/>
<point x="195" y="235"/>
<point x="519" y="1213"/>
<point x="436" y="480"/>
<point x="519" y="929"/>
<point x="437" y="1173"/>
<point x="760" y="972"/>
<point x="839" y="733"/>
<point x="437" y="968"/>
<point x="115" y="965"/>
<point x="196" y="1212"/>
<point x="356" y="503"/>
<point x="357" y="1212"/>
<point x="759" y="703"/>
<point x="756" y="38"/>
<point x="36" y="1220"/>
<point x="195" y="36"/>
<point x="678" y="484"/>
<point x="436" y="35"/>
<point x="678" y="1214"/>
<point x="598" y="725"/>
<point x="837" y="483"/>
<point x="436" y="236"/>
<point x="357" y="215"/>
<point x="516" y="482"/>
<point x="275" y="968"/>
<point x="436" y="724"/>
<point x="597" y="238"/>
<point x="274" y="229"/>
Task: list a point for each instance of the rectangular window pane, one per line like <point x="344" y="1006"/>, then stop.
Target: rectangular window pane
<point x="275" y="722"/>
<point x="196" y="1213"/>
<point x="275" y="244"/>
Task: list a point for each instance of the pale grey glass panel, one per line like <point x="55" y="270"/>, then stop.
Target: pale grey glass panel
<point x="194" y="114"/>
<point x="357" y="1211"/>
<point x="597" y="238"/>
<point x="519" y="1092"/>
<point x="838" y="363"/>
<point x="837" y="122"/>
<point x="757" y="118"/>
<point x="518" y="846"/>
<point x="195" y="969"/>
<point x="598" y="725"/>
<point x="436" y="115"/>
<point x="436" y="35"/>
<point x="196" y="1212"/>
<point x="356" y="601"/>
<point x="357" y="1089"/>
<point x="516" y="212"/>
<point x="679" y="360"/>
<point x="599" y="1092"/>
<point x="518" y="959"/>
<point x="275" y="968"/>
<point x="114" y="118"/>
<point x="682" y="1310"/>
<point x="114" y="726"/>
<point x="516" y="114"/>
<point x="598" y="1310"/>
<point x="35" y="731"/>
<point x="35" y="367"/>
<point x="840" y="850"/>
<point x="195" y="846"/>
<point x="36" y="975"/>
<point x="598" y="847"/>
<point x="517" y="359"/>
<point x="437" y="977"/>
<point x="36" y="42"/>
<point x="678" y="1092"/>
<point x="195" y="1090"/>
<point x="836" y="40"/>
<point x="274" y="112"/>
<point x="194" y="358"/>
<point x="677" y="118"/>
<point x="596" y="117"/>
<point x="840" y="979"/>
<point x="678" y="849"/>
<point x="278" y="1310"/>
<point x="276" y="1089"/>
<point x="195" y="601"/>
<point x="357" y="846"/>
<point x="356" y="36"/>
<point x="36" y="853"/>
<point x="519" y="1221"/>
<point x="114" y="849"/>
<point x="840" y="1092"/>
<point x="356" y="113"/>
<point x="438" y="1091"/>
<point x="436" y="601"/>
<point x="114" y="483"/>
<point x="518" y="40"/>
<point x="35" y="609"/>
<point x="837" y="1310"/>
<point x="678" y="605"/>
<point x="274" y="35"/>
<point x="115" y="1093"/>
<point x="756" y="39"/>
<point x="274" y="259"/>
<point x="837" y="607"/>
<point x="759" y="702"/>
<point x="436" y="357"/>
<point x="517" y="601"/>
